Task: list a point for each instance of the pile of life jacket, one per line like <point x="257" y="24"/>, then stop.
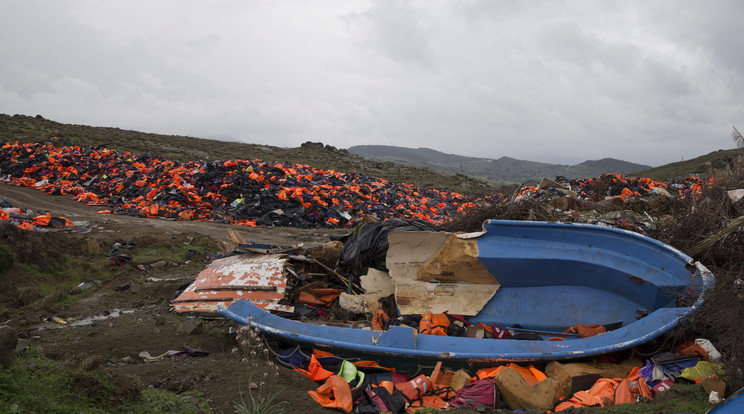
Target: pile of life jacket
<point x="445" y="324"/>
<point x="692" y="361"/>
<point x="365" y="387"/>
<point x="362" y="386"/>
<point x="258" y="193"/>
<point x="28" y="220"/>
<point x="246" y="192"/>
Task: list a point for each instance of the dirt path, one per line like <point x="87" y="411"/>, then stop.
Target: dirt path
<point x="29" y="198"/>
<point x="137" y="318"/>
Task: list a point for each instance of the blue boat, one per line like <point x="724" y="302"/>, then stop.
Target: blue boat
<point x="550" y="276"/>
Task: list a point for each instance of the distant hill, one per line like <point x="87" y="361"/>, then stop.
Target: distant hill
<point x="504" y="170"/>
<point x="705" y="165"/>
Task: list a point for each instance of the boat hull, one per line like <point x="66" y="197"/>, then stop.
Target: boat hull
<point x="552" y="275"/>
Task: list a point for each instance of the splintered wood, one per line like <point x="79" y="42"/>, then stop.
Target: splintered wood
<point x="438" y="272"/>
<point x="260" y="279"/>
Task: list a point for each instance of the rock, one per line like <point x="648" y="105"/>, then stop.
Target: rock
<point x="158" y="264"/>
<point x="22" y="345"/>
<point x="8" y="342"/>
<point x="91" y="363"/>
<point x="191" y="327"/>
<point x="92" y="246"/>
<point x="28" y="295"/>
<point x="352" y="303"/>
<point x="518" y="394"/>
<point x="50" y="300"/>
<point x="33" y="317"/>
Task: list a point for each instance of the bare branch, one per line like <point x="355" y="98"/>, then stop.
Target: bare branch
<point x="738" y="138"/>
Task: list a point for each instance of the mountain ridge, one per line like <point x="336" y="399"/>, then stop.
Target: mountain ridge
<point x="497" y="171"/>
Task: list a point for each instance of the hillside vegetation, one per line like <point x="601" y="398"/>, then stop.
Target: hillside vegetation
<point x="707" y="165"/>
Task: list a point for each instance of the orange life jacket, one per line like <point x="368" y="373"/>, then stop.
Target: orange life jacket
<point x="334" y="393"/>
<point x="434" y="324"/>
<point x="427" y="401"/>
<point x="415" y="388"/>
<point x="372" y="364"/>
<point x="585" y="331"/>
<point x="379" y="319"/>
<point x="42" y="220"/>
<point x="314" y="370"/>
<point x="530" y="374"/>
<point x="319" y="296"/>
<point x="694" y="349"/>
<point x="601" y="394"/>
<point x="632" y="388"/>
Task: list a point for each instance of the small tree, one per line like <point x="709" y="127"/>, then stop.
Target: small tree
<point x="738" y="138"/>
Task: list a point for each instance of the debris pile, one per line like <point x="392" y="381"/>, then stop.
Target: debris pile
<point x="273" y="278"/>
<point x="347" y="384"/>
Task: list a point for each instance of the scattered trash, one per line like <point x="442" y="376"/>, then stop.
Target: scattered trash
<point x="85" y="286"/>
<point x="120" y="258"/>
<point x="184" y="351"/>
<point x="59" y="322"/>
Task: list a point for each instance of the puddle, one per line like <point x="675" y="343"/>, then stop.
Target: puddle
<point x="84" y="321"/>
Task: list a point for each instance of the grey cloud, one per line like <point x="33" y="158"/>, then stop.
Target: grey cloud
<point x="546" y="81"/>
<point x="399" y="31"/>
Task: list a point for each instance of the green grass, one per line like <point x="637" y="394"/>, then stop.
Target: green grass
<point x="154" y="401"/>
<point x="65" y="277"/>
<point x="36" y="384"/>
<point x="6" y="259"/>
<point x="175" y="253"/>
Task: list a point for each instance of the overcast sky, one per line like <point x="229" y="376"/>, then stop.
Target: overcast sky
<point x="553" y="81"/>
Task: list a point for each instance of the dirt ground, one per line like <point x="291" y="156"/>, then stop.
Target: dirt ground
<point x="141" y="301"/>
